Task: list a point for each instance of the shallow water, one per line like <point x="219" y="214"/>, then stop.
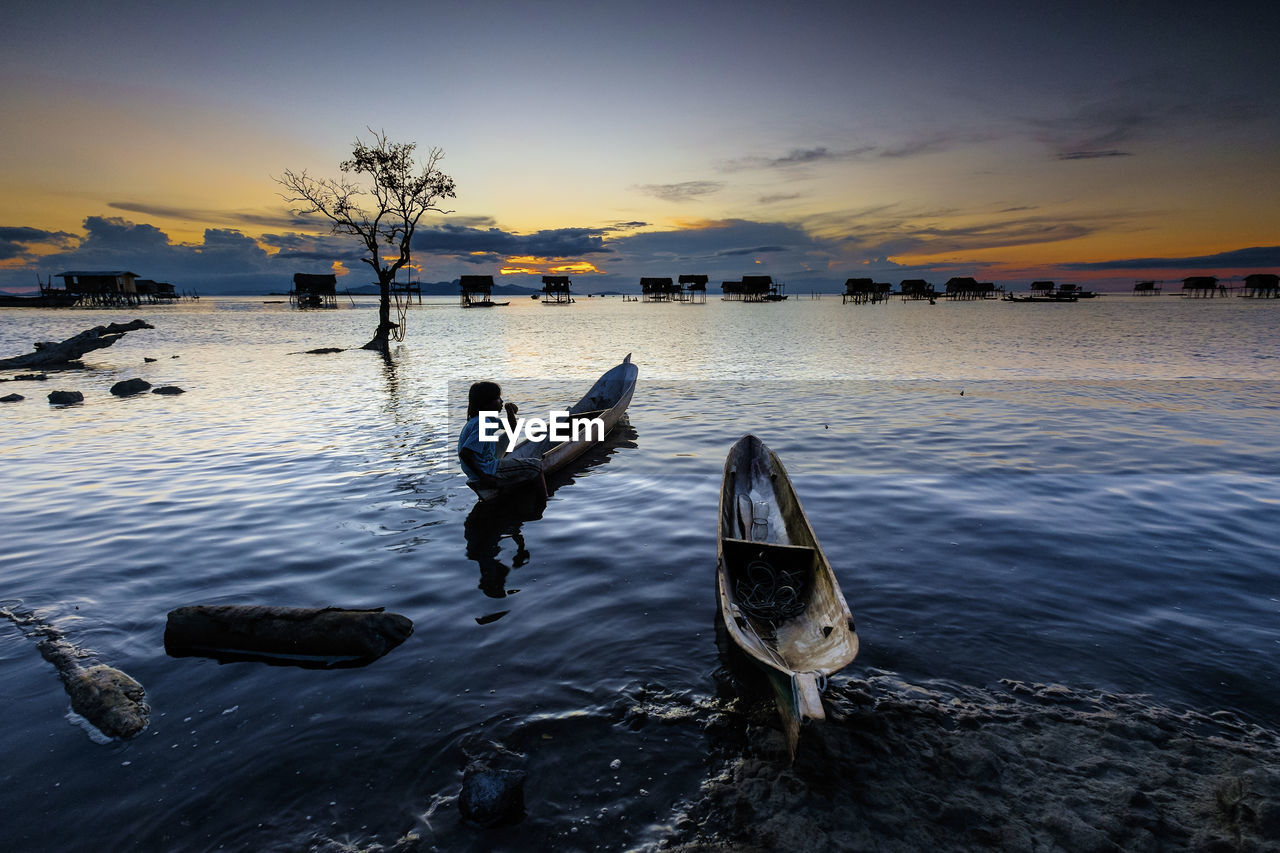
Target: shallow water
<point x="1077" y="493"/>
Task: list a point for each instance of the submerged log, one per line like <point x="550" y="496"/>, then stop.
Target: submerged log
<point x="110" y="700"/>
<point x="103" y="695"/>
<point x="68" y="352"/>
<point x="303" y="636"/>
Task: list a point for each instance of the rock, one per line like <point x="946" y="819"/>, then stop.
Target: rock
<point x="65" y="398"/>
<point x="31" y="377"/>
<point x="148" y="358"/>
<point x="323" y="350"/>
<point x="11" y="398"/>
<point x="168" y="389"/>
<point x="129" y="387"/>
<point x="492" y="797"/>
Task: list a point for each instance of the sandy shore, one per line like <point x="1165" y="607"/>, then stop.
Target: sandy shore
<point x="905" y="767"/>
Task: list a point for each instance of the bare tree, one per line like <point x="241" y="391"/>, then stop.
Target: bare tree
<point x="400" y="192"/>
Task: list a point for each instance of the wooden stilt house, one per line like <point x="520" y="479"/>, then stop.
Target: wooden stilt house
<point x="658" y="290"/>
<point x="695" y="289"/>
<point x="314" y="291"/>
<point x="555" y="290"/>
<point x="477" y="292"/>
<point x="1201" y="287"/>
<point x="1262" y="286"/>
<point x="916" y="288"/>
<point x="101" y="288"/>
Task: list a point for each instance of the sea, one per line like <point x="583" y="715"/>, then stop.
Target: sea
<point x="1078" y="494"/>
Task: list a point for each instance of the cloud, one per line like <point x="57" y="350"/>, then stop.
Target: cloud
<point x="274" y="219"/>
<point x="887" y="231"/>
<point x="1257" y="257"/>
<point x="1091" y="155"/>
<point x="16" y="241"/>
<point x="795" y="157"/>
<point x="774" y="199"/>
<point x="758" y="250"/>
<point x="1138" y="111"/>
<point x="326" y="247"/>
<point x="686" y="191"/>
<point x="225" y="259"/>
<point x="914" y="146"/>
<point x="450" y="239"/>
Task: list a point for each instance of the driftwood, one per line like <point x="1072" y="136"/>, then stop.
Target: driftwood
<point x="67" y="353"/>
<point x="301" y="636"/>
<point x="110" y="700"/>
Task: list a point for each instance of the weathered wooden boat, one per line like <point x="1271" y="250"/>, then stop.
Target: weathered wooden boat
<point x="485" y="303"/>
<point x="1013" y="297"/>
<point x="608" y="400"/>
<point x="779" y="598"/>
<point x="47" y="299"/>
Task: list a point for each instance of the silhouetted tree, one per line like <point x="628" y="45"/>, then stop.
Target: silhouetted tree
<point x="400" y="192"/>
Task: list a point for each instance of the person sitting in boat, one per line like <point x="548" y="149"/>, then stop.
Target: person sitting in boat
<point x="485" y="462"/>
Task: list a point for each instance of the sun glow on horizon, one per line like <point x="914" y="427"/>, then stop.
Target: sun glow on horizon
<point x="532" y="265"/>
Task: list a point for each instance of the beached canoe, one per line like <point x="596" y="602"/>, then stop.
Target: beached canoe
<point x="779" y="599"/>
<point x="608" y="400"/>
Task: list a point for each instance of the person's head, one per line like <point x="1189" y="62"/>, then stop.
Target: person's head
<point x="483" y="397"/>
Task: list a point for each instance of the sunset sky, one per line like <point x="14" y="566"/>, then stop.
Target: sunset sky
<point x="1097" y="141"/>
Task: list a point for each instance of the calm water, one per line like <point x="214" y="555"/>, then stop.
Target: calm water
<point x="1084" y="494"/>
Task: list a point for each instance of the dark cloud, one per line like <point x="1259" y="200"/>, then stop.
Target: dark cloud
<point x="16" y="241"/>
<point x="328" y="247"/>
<point x="795" y="157"/>
<point x="225" y="259"/>
<point x="915" y="146"/>
<point x="774" y="199"/>
<point x="1145" y="109"/>
<point x="280" y="219"/>
<point x="450" y="239"/>
<point x="1257" y="257"/>
<point x="686" y="191"/>
<point x="112" y="236"/>
<point x="758" y="250"/>
<point x="889" y="232"/>
<point x="1092" y="155"/>
<point x="706" y="241"/>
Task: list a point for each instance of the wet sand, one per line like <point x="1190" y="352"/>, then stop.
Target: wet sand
<point x="910" y="767"/>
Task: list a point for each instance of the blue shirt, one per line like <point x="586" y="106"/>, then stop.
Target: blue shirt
<point x="486" y="451"/>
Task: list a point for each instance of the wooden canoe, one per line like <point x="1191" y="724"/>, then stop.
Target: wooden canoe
<point x="608" y="400"/>
<point x="779" y="599"/>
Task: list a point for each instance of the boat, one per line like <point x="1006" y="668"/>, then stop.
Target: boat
<point x="1013" y="297"/>
<point x="1042" y="296"/>
<point x="779" y="598"/>
<point x="608" y="400"/>
<point x="46" y="299"/>
<point x="484" y="303"/>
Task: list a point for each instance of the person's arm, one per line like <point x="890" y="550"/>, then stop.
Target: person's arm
<point x="467" y="455"/>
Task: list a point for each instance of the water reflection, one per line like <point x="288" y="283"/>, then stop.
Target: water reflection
<point x="504" y="517"/>
<point x="487" y="524"/>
